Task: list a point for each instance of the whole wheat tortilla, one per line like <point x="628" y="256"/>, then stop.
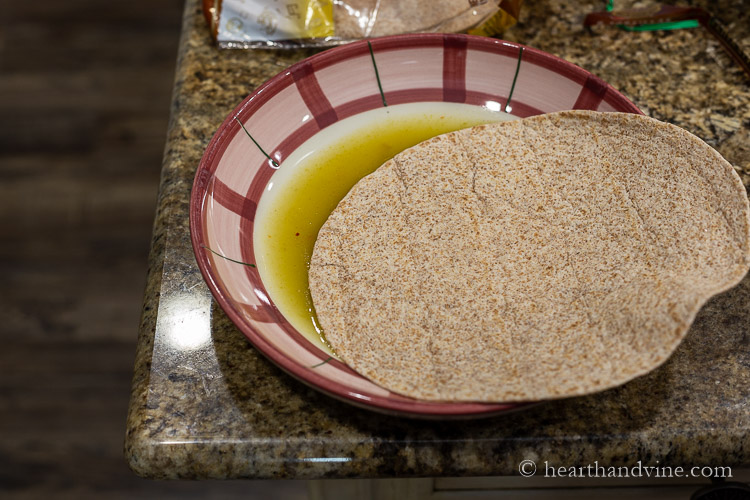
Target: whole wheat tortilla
<point x="553" y="256"/>
<point x="367" y="18"/>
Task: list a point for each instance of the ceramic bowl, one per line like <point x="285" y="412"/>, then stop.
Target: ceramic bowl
<point x="308" y="97"/>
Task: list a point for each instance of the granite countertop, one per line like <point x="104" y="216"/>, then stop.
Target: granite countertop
<point x="206" y="404"/>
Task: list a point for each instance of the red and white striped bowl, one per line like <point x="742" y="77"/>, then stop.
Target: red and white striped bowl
<point x="311" y="95"/>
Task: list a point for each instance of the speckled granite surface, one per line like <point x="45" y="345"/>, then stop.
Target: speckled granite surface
<point x="206" y="404"/>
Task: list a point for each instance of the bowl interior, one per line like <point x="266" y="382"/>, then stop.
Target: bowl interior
<point x="262" y="131"/>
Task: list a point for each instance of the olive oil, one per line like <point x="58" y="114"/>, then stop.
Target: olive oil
<point x="310" y="183"/>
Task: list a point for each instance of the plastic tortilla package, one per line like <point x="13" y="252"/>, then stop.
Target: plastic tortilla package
<point x="319" y="23"/>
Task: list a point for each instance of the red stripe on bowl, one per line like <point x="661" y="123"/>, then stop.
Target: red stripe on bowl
<point x="414" y="95"/>
<point x="231" y="200"/>
<point x="360" y="105"/>
<point x="313" y="95"/>
<point x="454" y="69"/>
<point x="592" y="93"/>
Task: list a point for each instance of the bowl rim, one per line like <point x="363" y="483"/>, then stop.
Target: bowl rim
<point x="401" y="407"/>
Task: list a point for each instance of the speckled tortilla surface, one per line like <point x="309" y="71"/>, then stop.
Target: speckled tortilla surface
<point x="553" y="256"/>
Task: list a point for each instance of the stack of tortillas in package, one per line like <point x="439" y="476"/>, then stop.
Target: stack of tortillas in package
<point x="363" y="18"/>
<point x="319" y="23"/>
<point x="553" y="256"/>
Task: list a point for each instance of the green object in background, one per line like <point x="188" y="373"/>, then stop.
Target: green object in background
<point x="668" y="17"/>
<point x="675" y="25"/>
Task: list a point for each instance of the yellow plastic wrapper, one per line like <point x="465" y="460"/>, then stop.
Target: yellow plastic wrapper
<point x="506" y="17"/>
<point x="310" y="23"/>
